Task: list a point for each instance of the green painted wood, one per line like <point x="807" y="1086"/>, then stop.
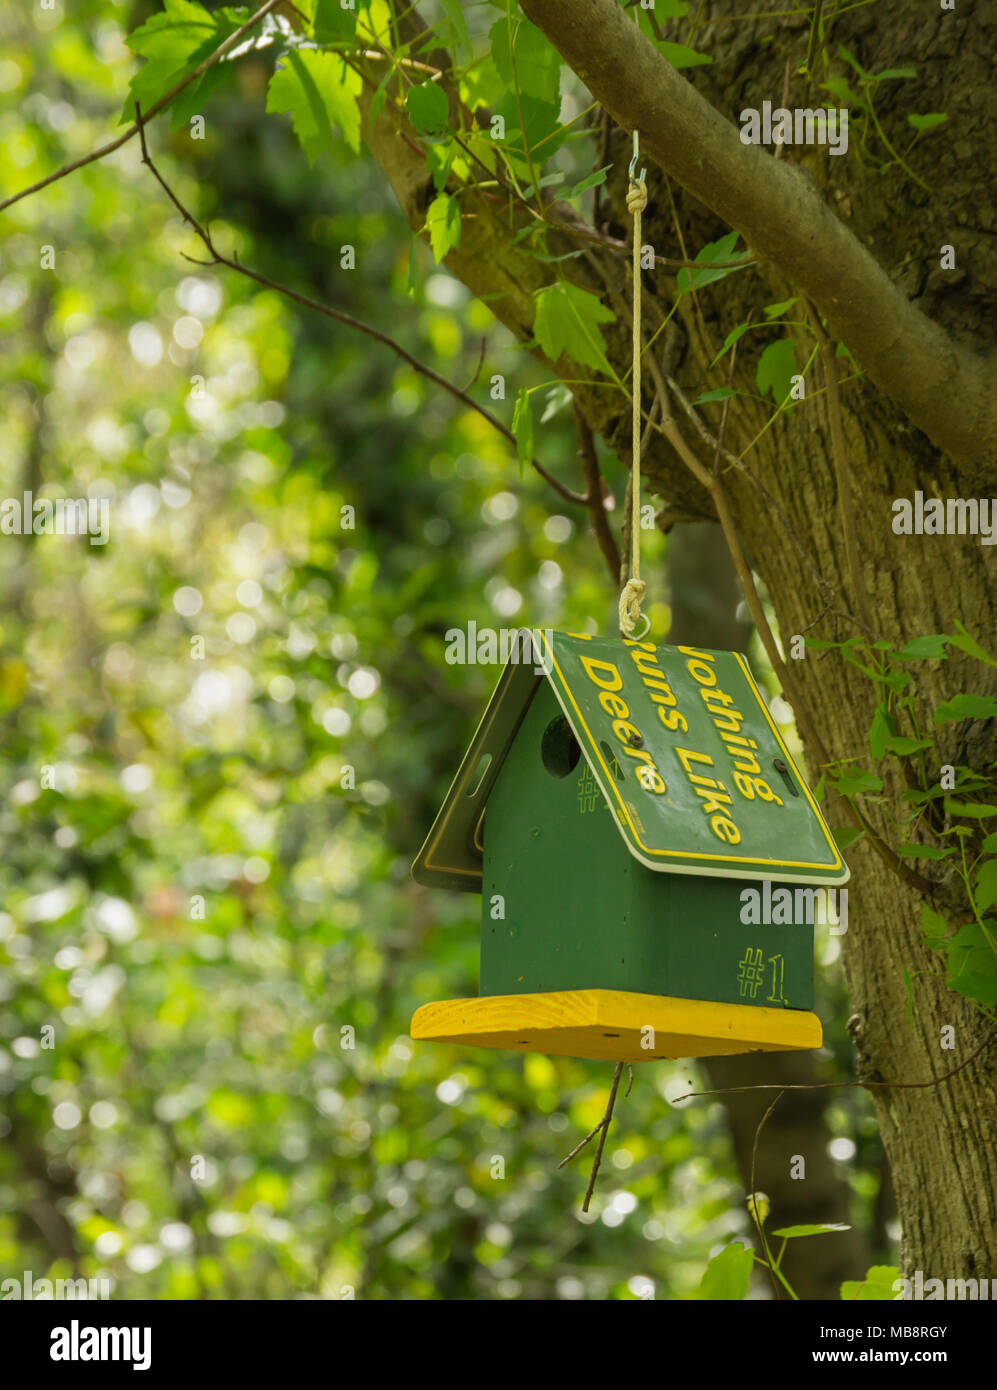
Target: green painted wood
<point x="581" y="912"/>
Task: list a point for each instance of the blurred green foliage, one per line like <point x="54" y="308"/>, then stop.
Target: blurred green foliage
<point x="199" y="911"/>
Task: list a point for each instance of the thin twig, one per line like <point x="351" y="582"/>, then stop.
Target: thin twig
<point x="812" y="43"/>
<point x="780" y="145"/>
<point x="339" y="317"/>
<point x="721" y="433"/>
<point x="581" y="1144"/>
<point x="154" y="110"/>
<point x="602" y="1129"/>
<point x="752" y="1200"/>
<point x="477" y="370"/>
<point x="716" y="443"/>
<point x="846" y="1085"/>
<point x="594" y="493"/>
<point x="708" y="346"/>
<point x="602" y="1137"/>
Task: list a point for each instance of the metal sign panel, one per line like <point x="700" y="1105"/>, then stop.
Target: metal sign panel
<point x="692" y="766"/>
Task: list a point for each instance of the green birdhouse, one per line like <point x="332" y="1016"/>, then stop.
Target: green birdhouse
<point x="649" y="858"/>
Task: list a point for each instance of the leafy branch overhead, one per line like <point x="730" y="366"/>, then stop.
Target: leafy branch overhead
<point x="327" y="55"/>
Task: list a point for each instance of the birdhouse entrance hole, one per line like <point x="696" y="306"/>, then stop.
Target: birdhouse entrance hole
<point x="559" y="750"/>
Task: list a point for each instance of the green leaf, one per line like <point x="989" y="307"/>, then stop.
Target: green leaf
<point x="320" y="92"/>
<point x="531" y="64"/>
<point x="590" y="181"/>
<point x="567" y="320"/>
<point x="986" y="885"/>
<point x="853" y="62"/>
<point x="728" y="1274"/>
<point x="775" y="368"/>
<point x="928" y="121"/>
<point x="681" y="57"/>
<point x="454" y="11"/>
<point x="931" y="648"/>
<point x="857" y="783"/>
<point x="428" y="108"/>
<point x="990" y="844"/>
<point x="332" y="23"/>
<point x="965" y="643"/>
<point x="174" y="43"/>
<point x="439" y="157"/>
<point x="791" y="1232"/>
<point x="897" y="681"/>
<point x="966" y="707"/>
<point x="924" y="852"/>
<point x="538" y="119"/>
<point x="896" y="743"/>
<point x="443" y="221"/>
<point x="722" y="250"/>
<point x="522" y="428"/>
<point x="973" y="964"/>
<point x="933" y="924"/>
<point x="877" y="1286"/>
<point x="977" y="810"/>
<point x="732" y="337"/>
<point x="413" y="279"/>
<point x="773" y="311"/>
<point x="888" y="73"/>
<point x="839" y="88"/>
<point x="879" y="732"/>
<point x="847" y="835"/>
<point x="720" y="393"/>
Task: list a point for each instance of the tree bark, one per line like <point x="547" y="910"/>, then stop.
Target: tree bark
<point x="705" y="598"/>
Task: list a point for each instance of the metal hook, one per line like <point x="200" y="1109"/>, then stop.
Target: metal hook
<point x="633" y="162"/>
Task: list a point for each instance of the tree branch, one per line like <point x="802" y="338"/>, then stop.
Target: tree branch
<point x="340" y="317"/>
<point x="154" y="110"/>
<point x="946" y="390"/>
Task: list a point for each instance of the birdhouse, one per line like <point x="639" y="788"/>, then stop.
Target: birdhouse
<point x="649" y="858"/>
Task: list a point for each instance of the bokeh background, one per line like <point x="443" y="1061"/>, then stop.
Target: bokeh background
<point x="197" y="897"/>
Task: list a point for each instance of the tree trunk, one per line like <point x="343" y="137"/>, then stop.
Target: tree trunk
<point x="705" y="598"/>
<point x="921" y="334"/>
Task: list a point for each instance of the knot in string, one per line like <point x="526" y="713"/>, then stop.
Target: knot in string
<point x="636" y="198"/>
<point x="630" y="602"/>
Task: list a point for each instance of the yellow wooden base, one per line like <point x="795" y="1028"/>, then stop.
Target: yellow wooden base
<point x="611" y="1024"/>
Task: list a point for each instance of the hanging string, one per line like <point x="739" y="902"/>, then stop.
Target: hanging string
<point x="634" y="589"/>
